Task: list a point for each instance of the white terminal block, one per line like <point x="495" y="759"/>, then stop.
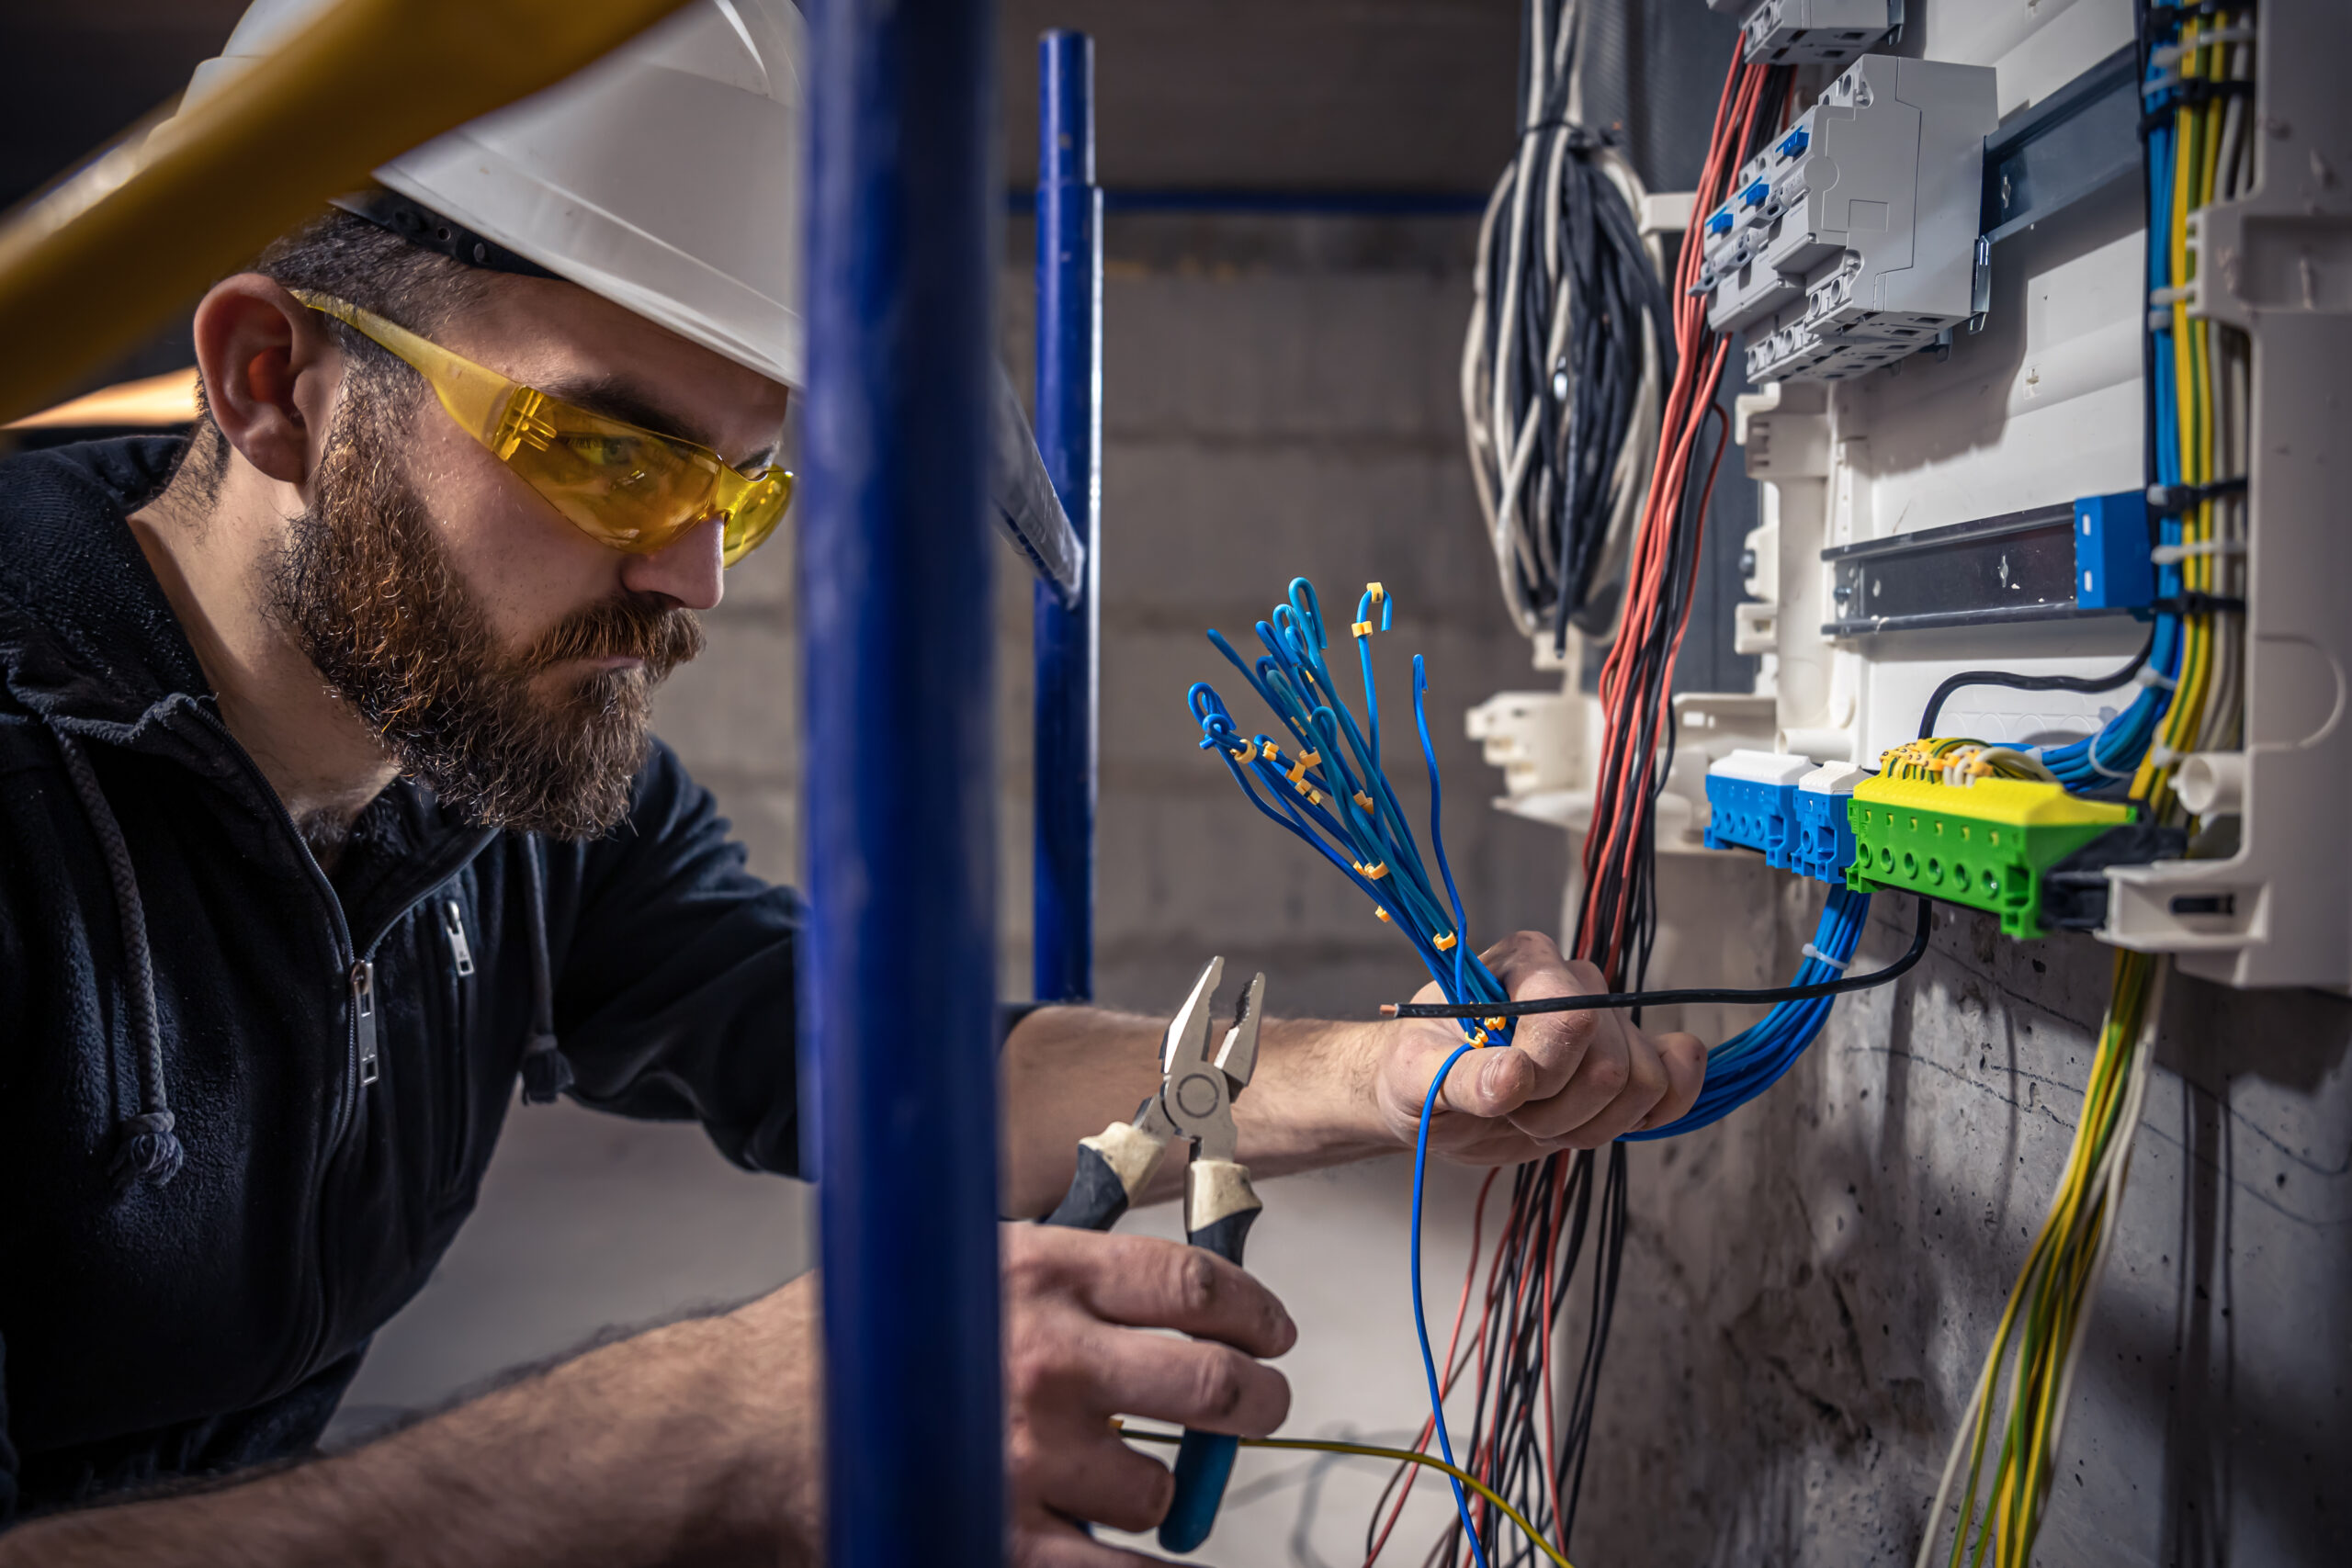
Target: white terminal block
<point x="1849" y="242"/>
<point x="1775" y="768"/>
<point x="1833" y="778"/>
<point x="1816" y="32"/>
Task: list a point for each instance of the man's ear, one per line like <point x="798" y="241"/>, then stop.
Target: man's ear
<point x="271" y="371"/>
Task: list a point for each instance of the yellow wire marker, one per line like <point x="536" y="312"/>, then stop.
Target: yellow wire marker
<point x="1445" y="942"/>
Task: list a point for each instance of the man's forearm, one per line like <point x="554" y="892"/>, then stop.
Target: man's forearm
<point x="691" y="1442"/>
<point x="1068" y="1071"/>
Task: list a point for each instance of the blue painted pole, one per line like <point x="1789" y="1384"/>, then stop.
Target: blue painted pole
<point x="1069" y="436"/>
<point x="899" y="969"/>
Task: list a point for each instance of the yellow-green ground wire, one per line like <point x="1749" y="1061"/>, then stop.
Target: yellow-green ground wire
<point x="1372" y="1451"/>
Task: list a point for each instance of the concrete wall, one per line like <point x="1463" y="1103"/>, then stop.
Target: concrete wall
<point x="1810" y="1285"/>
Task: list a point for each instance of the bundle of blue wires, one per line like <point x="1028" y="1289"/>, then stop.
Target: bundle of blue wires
<point x="1332" y="794"/>
<point x="2108" y="760"/>
<point x="1326" y="788"/>
<point x="1753" y="1060"/>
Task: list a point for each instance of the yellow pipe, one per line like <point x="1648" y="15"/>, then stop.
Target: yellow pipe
<point x="90" y="269"/>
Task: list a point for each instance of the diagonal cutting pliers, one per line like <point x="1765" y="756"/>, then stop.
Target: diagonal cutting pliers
<point x="1194" y="1105"/>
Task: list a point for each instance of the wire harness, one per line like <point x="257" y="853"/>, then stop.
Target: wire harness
<point x="2196" y="75"/>
<point x="1568" y="354"/>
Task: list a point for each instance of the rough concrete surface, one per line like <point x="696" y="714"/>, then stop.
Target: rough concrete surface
<point x="1817" y="1277"/>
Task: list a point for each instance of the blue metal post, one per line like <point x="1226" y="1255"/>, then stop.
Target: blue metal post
<point x="1069" y="436"/>
<point x="899" y="982"/>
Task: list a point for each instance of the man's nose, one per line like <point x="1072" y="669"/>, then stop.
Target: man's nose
<point x="688" y="570"/>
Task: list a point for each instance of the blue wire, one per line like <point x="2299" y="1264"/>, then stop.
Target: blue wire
<point x="1420" y="1321"/>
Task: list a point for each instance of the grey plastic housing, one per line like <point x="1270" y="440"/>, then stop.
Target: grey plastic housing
<point x="1816" y="32"/>
<point x="1849" y="240"/>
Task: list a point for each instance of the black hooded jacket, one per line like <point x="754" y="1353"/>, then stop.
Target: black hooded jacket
<point x="203" y="1221"/>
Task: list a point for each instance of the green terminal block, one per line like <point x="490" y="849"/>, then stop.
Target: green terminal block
<point x="1984" y="844"/>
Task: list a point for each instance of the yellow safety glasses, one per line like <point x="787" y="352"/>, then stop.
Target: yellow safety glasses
<point x="633" y="488"/>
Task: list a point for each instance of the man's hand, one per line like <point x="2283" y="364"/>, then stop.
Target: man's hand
<point x="1078" y="1351"/>
<point x="1569" y="1081"/>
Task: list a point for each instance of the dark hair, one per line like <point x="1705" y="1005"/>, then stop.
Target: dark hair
<point x="351" y="259"/>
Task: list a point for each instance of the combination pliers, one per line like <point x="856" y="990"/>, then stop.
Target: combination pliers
<point x="1193" y="1105"/>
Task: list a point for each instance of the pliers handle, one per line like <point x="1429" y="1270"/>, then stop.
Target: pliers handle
<point x="1194" y="1105"/>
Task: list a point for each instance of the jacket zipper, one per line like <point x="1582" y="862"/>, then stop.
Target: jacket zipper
<point x="362" y="971"/>
<point x="363" y="1020"/>
<point x="453" y="920"/>
<point x="457" y="1103"/>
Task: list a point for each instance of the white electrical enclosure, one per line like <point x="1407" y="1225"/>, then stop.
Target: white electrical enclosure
<point x="2039" y="406"/>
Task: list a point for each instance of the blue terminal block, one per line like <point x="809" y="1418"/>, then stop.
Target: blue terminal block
<point x="1751" y="805"/>
<point x="1825" y="843"/>
<point x="2112" y="540"/>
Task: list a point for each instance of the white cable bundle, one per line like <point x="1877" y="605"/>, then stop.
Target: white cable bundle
<point x="1566" y="361"/>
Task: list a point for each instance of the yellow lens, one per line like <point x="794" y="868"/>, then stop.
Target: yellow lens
<point x="629" y="487"/>
<point x="755" y="514"/>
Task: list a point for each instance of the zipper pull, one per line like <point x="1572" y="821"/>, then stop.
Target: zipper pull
<point x="363" y="1018"/>
<point x="453" y="920"/>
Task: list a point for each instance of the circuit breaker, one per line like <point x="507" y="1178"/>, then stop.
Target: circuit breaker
<point x="1816" y="32"/>
<point x="1849" y="242"/>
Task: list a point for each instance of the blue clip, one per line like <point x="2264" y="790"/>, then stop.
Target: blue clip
<point x="1796" y="141"/>
<point x="1719" y="223"/>
<point x="1753" y="194"/>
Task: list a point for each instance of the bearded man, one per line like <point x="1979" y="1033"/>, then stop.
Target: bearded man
<point x="333" y="811"/>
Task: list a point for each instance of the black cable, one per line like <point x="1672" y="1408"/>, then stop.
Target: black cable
<point x="1599" y="1001"/>
<point x="2085" y="683"/>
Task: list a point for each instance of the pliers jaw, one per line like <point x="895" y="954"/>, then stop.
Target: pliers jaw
<point x="1197" y="1090"/>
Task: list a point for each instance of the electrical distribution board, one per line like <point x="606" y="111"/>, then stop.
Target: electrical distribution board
<point x="1937" y="503"/>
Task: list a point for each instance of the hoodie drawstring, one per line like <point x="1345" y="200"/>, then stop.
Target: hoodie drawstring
<point x="546" y="1071"/>
<point x="147" y="1149"/>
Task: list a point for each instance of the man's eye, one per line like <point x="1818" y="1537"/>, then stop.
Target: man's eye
<point x="605" y="451"/>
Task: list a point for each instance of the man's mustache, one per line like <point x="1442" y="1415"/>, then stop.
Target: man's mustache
<point x="662" y="635"/>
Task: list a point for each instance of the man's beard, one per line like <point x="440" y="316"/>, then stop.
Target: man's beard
<point x="370" y="596"/>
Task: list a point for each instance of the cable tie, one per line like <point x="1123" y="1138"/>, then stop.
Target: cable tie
<point x="2193" y="603"/>
<point x="2171" y="554"/>
<point x="2163" y="756"/>
<point x="1444" y="943"/>
<point x="2171" y="295"/>
<point x="2101" y="769"/>
<point x="1361" y="628"/>
<point x="2171" y="501"/>
<point x="1840" y="964"/>
<point x="2149" y="675"/>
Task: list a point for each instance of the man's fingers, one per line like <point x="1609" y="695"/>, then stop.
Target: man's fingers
<point x="1191" y="1382"/>
<point x="1531" y="969"/>
<point x="1685" y="1057"/>
<point x="1089" y="1473"/>
<point x="1646" y="1086"/>
<point x="1149" y="1282"/>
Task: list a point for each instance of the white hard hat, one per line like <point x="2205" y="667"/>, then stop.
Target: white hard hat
<point x="665" y="177"/>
